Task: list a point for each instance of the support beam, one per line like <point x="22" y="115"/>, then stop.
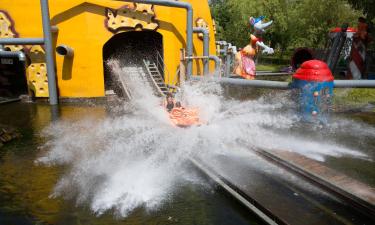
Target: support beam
<point x="227" y="48"/>
<point x="206" y="47"/>
<point x="217" y="61"/>
<point x="48" y="46"/>
<point x="228" y="59"/>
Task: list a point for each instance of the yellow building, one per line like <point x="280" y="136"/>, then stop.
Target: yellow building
<point x="97" y="30"/>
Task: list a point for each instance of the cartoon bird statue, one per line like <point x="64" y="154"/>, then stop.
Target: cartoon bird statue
<point x="245" y="65"/>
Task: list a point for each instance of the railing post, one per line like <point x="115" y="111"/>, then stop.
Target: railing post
<point x="50" y="61"/>
<point x="182" y="67"/>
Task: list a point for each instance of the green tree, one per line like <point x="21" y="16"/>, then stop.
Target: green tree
<point x="282" y="12"/>
<point x="316" y="17"/>
<point x="297" y="23"/>
<point x="366" y="6"/>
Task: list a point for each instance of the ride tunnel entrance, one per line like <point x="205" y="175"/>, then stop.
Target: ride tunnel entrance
<point x="12" y="78"/>
<point x="130" y="49"/>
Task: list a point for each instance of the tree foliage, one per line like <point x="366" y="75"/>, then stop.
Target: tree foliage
<point x="366" y="6"/>
<point x="297" y="23"/>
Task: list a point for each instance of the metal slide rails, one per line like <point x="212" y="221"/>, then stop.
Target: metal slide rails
<point x="156" y="78"/>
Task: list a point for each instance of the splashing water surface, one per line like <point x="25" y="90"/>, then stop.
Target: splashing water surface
<point x="138" y="159"/>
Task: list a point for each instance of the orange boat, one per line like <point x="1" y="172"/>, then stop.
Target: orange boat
<point x="183" y="117"/>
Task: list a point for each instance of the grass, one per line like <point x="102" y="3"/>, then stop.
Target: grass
<point x="355" y="97"/>
<point x="270" y="67"/>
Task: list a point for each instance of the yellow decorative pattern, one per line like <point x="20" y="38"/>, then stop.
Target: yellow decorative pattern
<point x="37" y="72"/>
<point x="140" y="17"/>
<point x="6" y="31"/>
<point x="145" y="8"/>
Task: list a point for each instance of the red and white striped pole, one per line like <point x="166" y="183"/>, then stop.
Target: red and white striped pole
<point x="358" y="54"/>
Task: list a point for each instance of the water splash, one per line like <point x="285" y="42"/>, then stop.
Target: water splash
<point x="138" y="159"/>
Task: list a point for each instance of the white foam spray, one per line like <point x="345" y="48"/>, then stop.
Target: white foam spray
<point x="138" y="159"/>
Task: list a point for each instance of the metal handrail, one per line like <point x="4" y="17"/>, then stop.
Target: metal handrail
<point x="166" y="73"/>
<point x="161" y="64"/>
<point x="152" y="79"/>
<point x="176" y="76"/>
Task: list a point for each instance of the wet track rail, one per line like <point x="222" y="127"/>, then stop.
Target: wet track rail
<point x="307" y="199"/>
<point x="263" y="213"/>
<point x="349" y="190"/>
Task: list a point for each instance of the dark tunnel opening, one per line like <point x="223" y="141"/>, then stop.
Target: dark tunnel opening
<point x="131" y="48"/>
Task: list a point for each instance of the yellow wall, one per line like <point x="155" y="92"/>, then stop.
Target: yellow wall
<point x="81" y="26"/>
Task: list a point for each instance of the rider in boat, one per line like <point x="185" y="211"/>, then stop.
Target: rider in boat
<point x="169" y="102"/>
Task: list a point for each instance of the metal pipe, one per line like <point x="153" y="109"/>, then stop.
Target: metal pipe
<point x="52" y="86"/>
<point x="217" y="61"/>
<point x="20" y="55"/>
<point x="222" y="43"/>
<point x="65" y="50"/>
<point x="21" y="41"/>
<point x="2" y="47"/>
<point x="354" y="83"/>
<point x="256" y="83"/>
<point x="286" y="85"/>
<point x="189" y="25"/>
<point x="233" y="52"/>
<point x="206" y="47"/>
<point x="225" y="57"/>
<point x="228" y="59"/>
<point x="225" y="50"/>
<point x="252" y="83"/>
